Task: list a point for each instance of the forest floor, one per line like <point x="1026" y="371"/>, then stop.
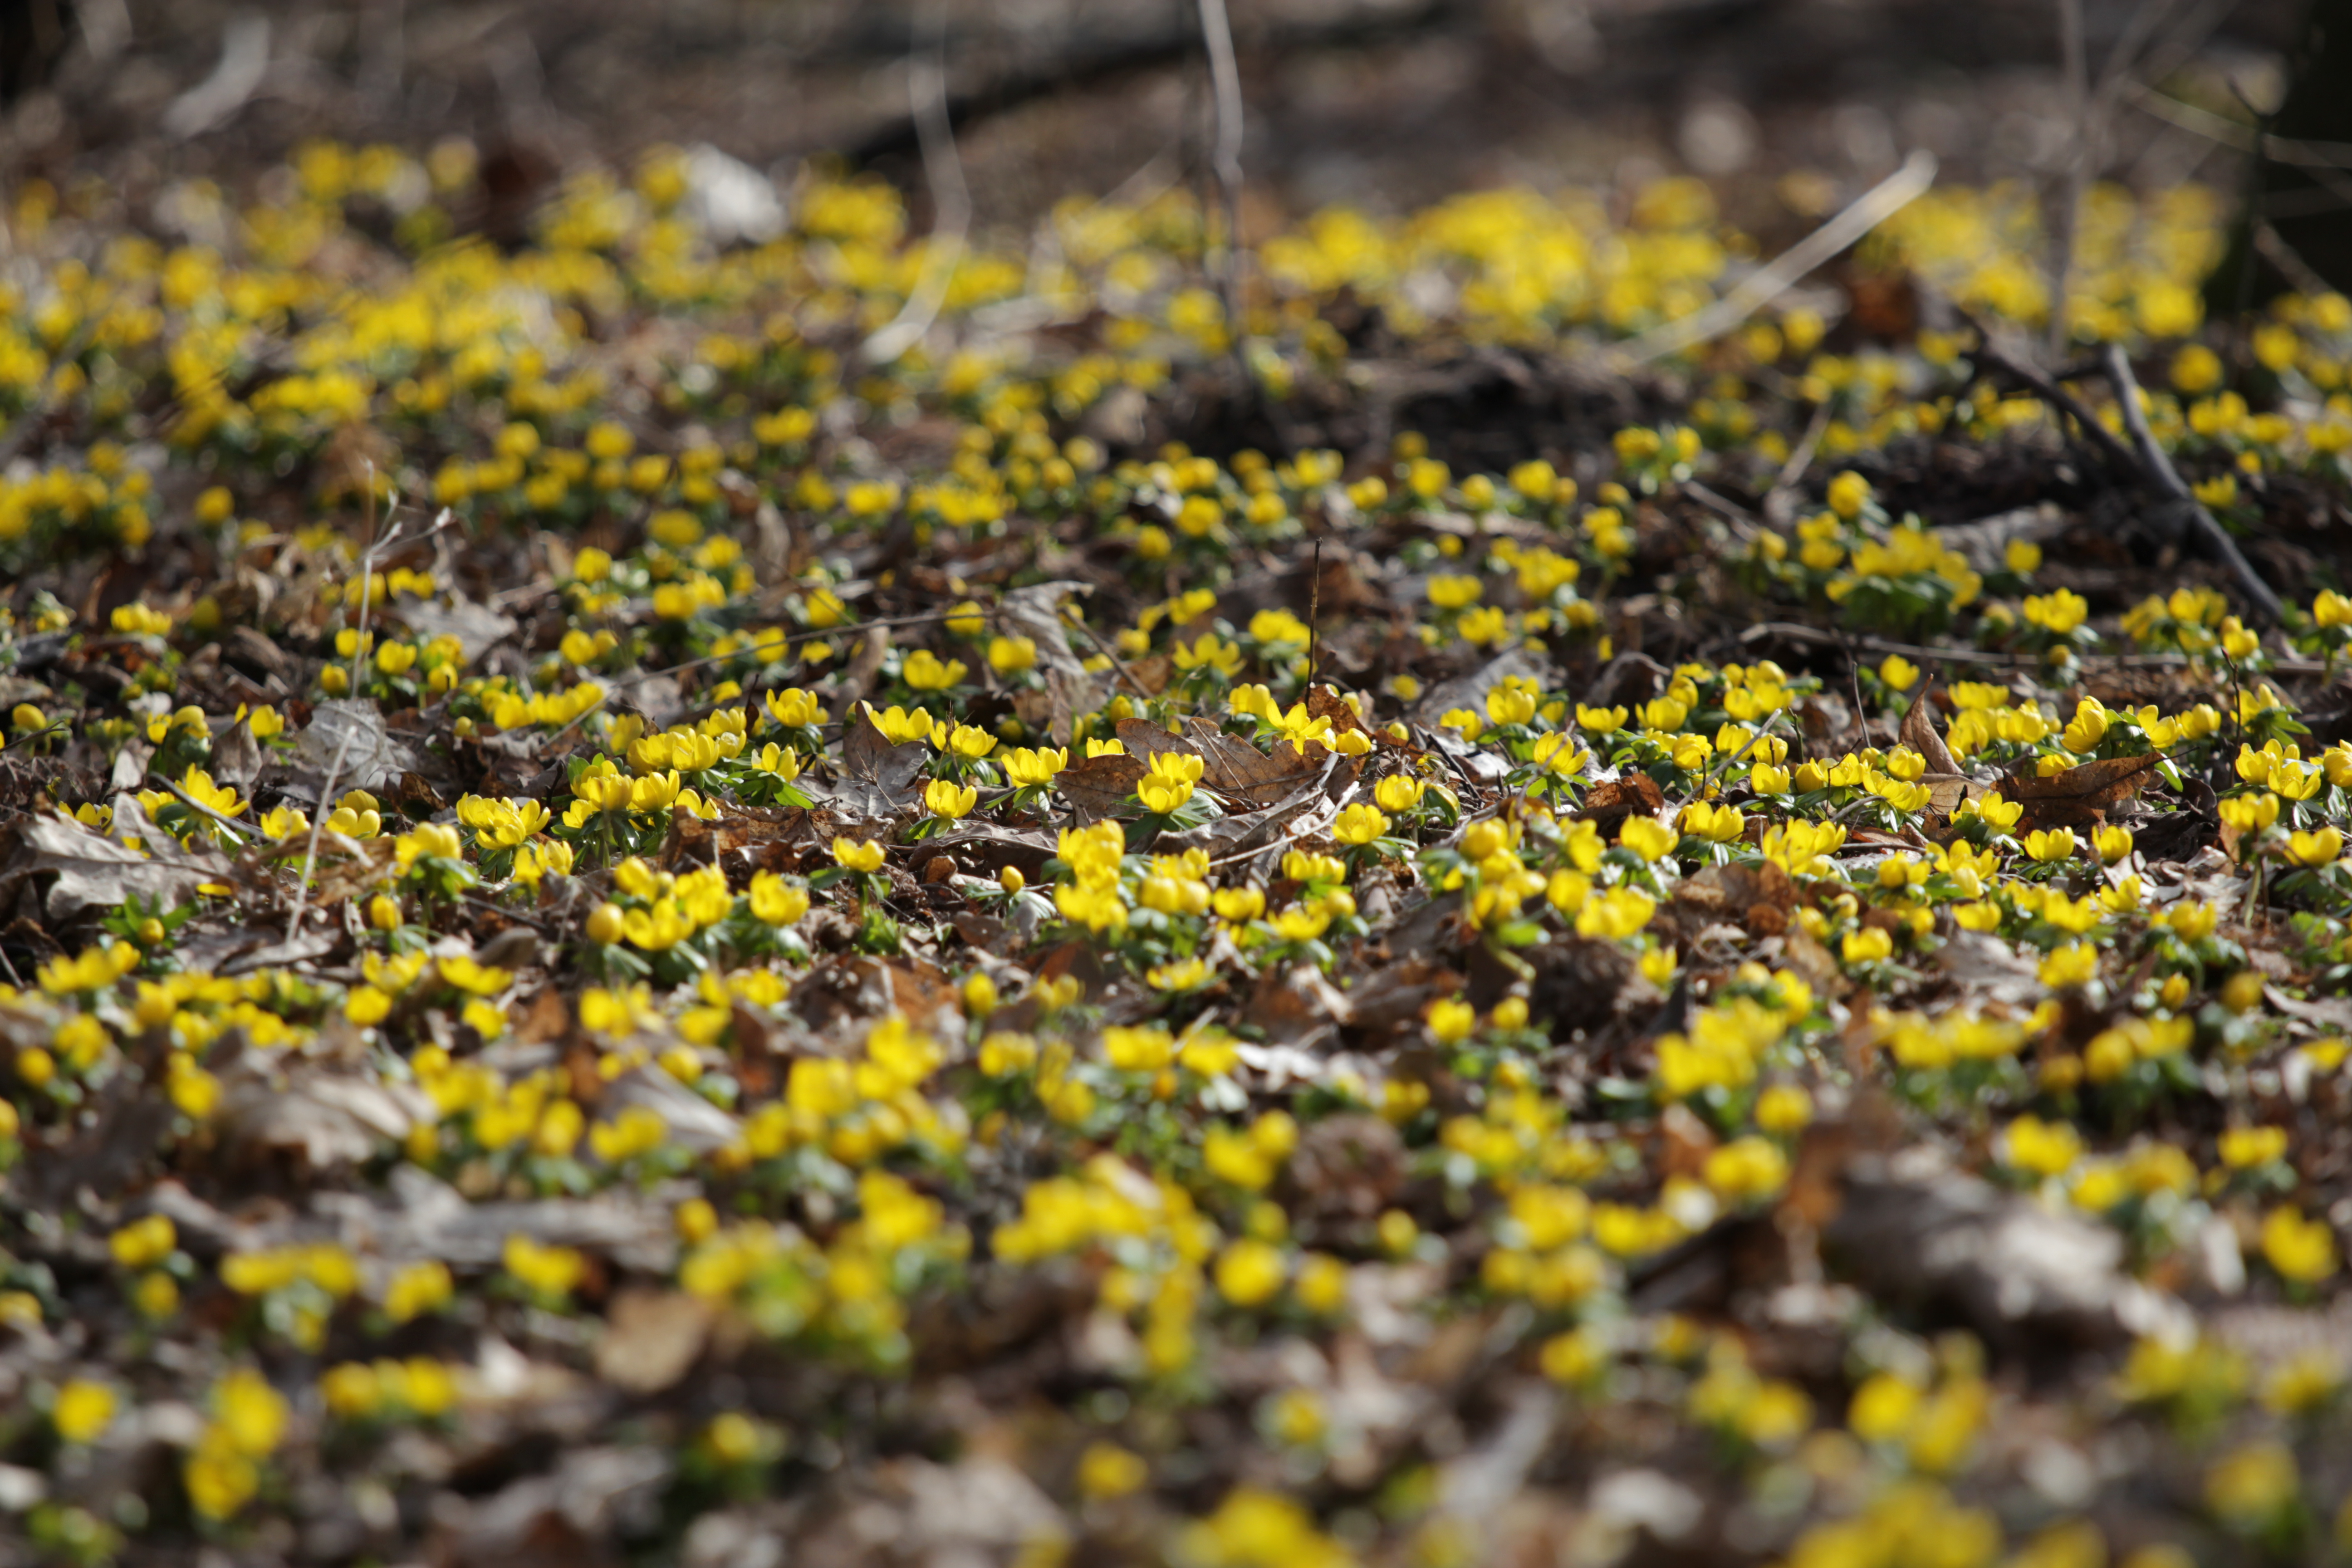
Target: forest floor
<point x="688" y="874"/>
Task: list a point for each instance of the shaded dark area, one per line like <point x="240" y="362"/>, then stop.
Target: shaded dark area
<point x="1387" y="103"/>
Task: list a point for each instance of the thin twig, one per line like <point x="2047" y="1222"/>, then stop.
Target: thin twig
<point x="1115" y="662"/>
<point x="1797" y="631"/>
<point x="1801" y="459"/>
<point x="2325" y="162"/>
<point x="21" y="433"/>
<point x="236" y="830"/>
<point x="2162" y="475"/>
<point x="1744" y="524"/>
<point x="2300" y="274"/>
<point x="1314" y="614"/>
<point x="343" y="747"/>
<point x="2109" y="443"/>
<point x="60" y="726"/>
<point x="2080" y="164"/>
<point x="926" y="86"/>
<point x="785" y="639"/>
<point x="1225" y="158"/>
<point x="1760" y="287"/>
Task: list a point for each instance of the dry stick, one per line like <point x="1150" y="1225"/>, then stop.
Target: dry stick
<point x="1115" y="662"/>
<point x="1314" y="612"/>
<point x="813" y="633"/>
<point x="2290" y="262"/>
<point x="1797" y="631"/>
<point x="1743" y="522"/>
<point x="1802" y="458"/>
<point x="926" y="86"/>
<point x="62" y="726"/>
<point x="1714" y="775"/>
<point x="1873" y="207"/>
<point x="21" y="433"/>
<point x="236" y="830"/>
<point x="2165" y="478"/>
<point x="2109" y="443"/>
<point x="2325" y="162"/>
<point x="1225" y="158"/>
<point x="343" y="747"/>
<point x="2079" y="163"/>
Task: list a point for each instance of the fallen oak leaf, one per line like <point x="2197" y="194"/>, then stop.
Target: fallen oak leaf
<point x="1919" y="733"/>
<point x="870" y="757"/>
<point x="1322" y="702"/>
<point x="2078" y="796"/>
<point x="1611" y="802"/>
<point x="92" y="872"/>
<point x="1946" y="792"/>
<point x="1100" y="787"/>
<point x="1235" y="767"/>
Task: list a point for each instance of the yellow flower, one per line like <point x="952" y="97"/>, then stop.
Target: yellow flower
<point x="1449" y="592"/>
<point x="1360" y="823"/>
<point x="1249" y="1271"/>
<point x="2315" y="849"/>
<point x="2251" y="1486"/>
<point x="1615" y="914"/>
<point x="1027" y="769"/>
<point x="1884" y="1408"/>
<point x="545" y="1271"/>
<point x="899" y="726"/>
<point x="2059" y="611"/>
<point x="857" y="856"/>
<point x="924" y="671"/>
<point x="1169" y="783"/>
<point x="1848" y="492"/>
<point x="1898" y="672"/>
<point x="2073" y="964"/>
<point x="2300" y="1250"/>
<point x="417" y="1288"/>
<point x="1105" y="1470"/>
<point x="2049" y="844"/>
<point x="83" y="1411"/>
<point x="1869" y="946"/>
<point x="1646" y="838"/>
<point x="775" y="901"/>
<point x="966" y="741"/>
<point x="2046" y="1148"/>
<point x="1451" y="1019"/>
<point x="945" y="800"/>
<point x="250" y="1415"/>
<point x="2243" y="1148"/>
<point x="2088" y="728"/>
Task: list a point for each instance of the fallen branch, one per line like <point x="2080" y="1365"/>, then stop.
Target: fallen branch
<point x="1759" y="288"/>
<point x="926" y="86"/>
<point x="2166" y="478"/>
<point x="2111" y="446"/>
<point x="1797" y="631"/>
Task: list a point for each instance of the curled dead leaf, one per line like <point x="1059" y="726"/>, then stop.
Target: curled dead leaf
<point x="2078" y="796"/>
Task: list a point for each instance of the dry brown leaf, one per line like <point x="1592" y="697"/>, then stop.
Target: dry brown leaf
<point x="1611" y="803"/>
<point x="1919" y="733"/>
<point x="651" y="1339"/>
<point x="1100" y="786"/>
<point x="1322" y="702"/>
<point x="1145" y="739"/>
<point x="1237" y="768"/>
<point x="2079" y="797"/>
<point x="92" y="872"/>
<point x="1153" y="672"/>
<point x="868" y="756"/>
